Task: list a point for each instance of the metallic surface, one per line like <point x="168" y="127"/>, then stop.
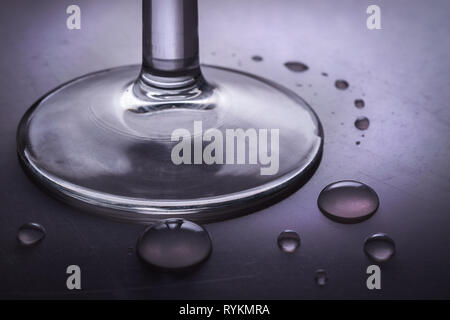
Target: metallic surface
<point x="402" y="73"/>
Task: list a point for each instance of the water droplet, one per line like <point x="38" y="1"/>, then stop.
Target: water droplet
<point x="324" y="74"/>
<point x="257" y="58"/>
<point x="379" y="247"/>
<point x="341" y="84"/>
<point x="288" y="241"/>
<point x="31" y="233"/>
<point x="348" y="201"/>
<point x="359" y="103"/>
<point x="174" y="244"/>
<point x="321" y="277"/>
<point x="362" y="123"/>
<point x="296" y="66"/>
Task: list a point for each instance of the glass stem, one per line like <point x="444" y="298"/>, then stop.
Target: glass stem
<point x="170" y="43"/>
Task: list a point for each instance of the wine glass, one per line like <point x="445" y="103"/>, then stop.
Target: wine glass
<point x="110" y="141"/>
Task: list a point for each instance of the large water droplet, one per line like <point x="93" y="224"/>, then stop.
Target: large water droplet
<point x="31" y="233"/>
<point x="341" y="84"/>
<point x="257" y="58"/>
<point x="288" y="241"/>
<point x="174" y="244"/>
<point x="359" y="103"/>
<point x="296" y="66"/>
<point x="348" y="201"/>
<point x="321" y="277"/>
<point x="362" y="123"/>
<point x="379" y="247"/>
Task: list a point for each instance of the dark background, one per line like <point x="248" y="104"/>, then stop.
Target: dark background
<point x="401" y="71"/>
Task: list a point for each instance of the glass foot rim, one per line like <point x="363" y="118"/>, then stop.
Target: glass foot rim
<point x="208" y="209"/>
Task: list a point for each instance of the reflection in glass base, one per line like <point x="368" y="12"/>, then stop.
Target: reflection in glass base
<point x="103" y="142"/>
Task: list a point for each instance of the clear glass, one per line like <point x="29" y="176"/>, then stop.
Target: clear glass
<point x="104" y="141"/>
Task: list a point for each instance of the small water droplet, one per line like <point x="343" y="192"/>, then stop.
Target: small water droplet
<point x="341" y="84"/>
<point x="362" y="123"/>
<point x="321" y="277"/>
<point x="174" y="244"/>
<point x="31" y="233"/>
<point x="257" y="58"/>
<point x="324" y="74"/>
<point x="348" y="201"/>
<point x="359" y="103"/>
<point x="288" y="241"/>
<point x="295" y="66"/>
<point x="379" y="247"/>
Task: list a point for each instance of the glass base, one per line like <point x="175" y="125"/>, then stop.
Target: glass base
<point x="104" y="142"/>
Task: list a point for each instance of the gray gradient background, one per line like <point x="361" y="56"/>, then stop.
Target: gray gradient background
<point x="402" y="72"/>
